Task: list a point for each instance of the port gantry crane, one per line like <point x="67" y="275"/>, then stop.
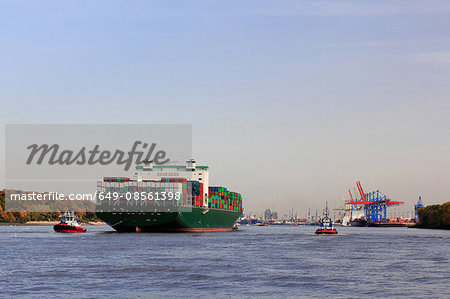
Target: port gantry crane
<point x="341" y="207"/>
<point x="375" y="204"/>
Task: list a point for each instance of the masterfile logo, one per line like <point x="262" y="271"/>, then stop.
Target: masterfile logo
<point x="95" y="156"/>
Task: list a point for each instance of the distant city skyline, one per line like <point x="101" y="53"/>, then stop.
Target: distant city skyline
<point x="290" y="102"/>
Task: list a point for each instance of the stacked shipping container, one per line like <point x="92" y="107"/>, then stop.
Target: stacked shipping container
<point x="158" y="190"/>
<point x="191" y="192"/>
<point x="221" y="198"/>
<point x="116" y="179"/>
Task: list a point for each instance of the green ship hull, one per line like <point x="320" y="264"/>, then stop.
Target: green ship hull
<point x="197" y="220"/>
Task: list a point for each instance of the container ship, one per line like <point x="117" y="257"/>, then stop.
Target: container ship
<point x="358" y="218"/>
<point x="359" y="222"/>
<point x="181" y="200"/>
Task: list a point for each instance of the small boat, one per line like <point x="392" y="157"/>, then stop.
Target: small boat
<point x="69" y="224"/>
<point x="235" y="227"/>
<point x="326" y="225"/>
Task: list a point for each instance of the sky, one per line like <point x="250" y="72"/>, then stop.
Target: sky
<point x="291" y="102"/>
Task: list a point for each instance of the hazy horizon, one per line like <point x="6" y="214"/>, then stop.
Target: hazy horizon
<point x="290" y="102"/>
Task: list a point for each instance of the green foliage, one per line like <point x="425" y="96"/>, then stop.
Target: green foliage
<point x="2" y="201"/>
<point x="435" y="215"/>
<point x="23" y="217"/>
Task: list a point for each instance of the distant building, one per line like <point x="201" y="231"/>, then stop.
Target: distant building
<point x="268" y="214"/>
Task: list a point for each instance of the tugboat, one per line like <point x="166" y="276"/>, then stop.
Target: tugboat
<point x="326" y="226"/>
<point x="69" y="224"/>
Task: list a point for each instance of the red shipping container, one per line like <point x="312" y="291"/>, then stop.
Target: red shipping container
<point x="184" y="196"/>
<point x="201" y="192"/>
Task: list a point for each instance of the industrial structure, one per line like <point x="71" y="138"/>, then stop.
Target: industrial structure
<point x="374" y="205"/>
<point x="418" y="205"/>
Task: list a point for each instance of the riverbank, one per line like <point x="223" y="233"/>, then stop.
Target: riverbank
<point x="434" y="217"/>
<point x="431" y="226"/>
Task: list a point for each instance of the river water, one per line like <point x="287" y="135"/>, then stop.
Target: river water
<point x="275" y="261"/>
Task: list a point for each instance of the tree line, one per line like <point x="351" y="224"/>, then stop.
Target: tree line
<point x="24" y="216"/>
<point x="435" y="216"/>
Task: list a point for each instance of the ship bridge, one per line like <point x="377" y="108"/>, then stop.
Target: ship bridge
<point x="190" y="171"/>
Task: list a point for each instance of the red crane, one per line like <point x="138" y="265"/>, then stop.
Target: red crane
<point x="358" y="184"/>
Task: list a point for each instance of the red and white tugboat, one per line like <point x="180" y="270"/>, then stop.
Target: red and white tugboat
<point x="69" y="224"/>
<point x="326" y="226"/>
